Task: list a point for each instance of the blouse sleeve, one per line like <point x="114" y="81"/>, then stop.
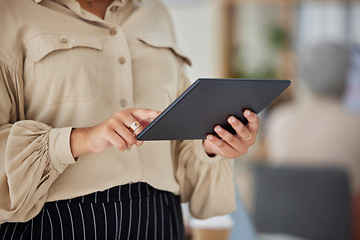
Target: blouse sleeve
<point x="32" y="154"/>
<point x="207" y="183"/>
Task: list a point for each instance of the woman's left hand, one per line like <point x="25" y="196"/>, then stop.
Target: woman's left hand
<point x="233" y="145"/>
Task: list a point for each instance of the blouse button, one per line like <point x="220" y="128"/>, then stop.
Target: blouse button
<point x="114" y="8"/>
<point x="122" y="60"/>
<point x="123" y="103"/>
<point x="113" y="31"/>
<point x="64" y="41"/>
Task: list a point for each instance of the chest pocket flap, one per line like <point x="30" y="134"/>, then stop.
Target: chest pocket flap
<point x="42" y="44"/>
<point x="161" y="41"/>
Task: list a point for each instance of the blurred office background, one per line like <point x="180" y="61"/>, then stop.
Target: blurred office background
<point x="269" y="39"/>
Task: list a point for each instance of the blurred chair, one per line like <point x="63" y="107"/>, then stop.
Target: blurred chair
<point x="312" y="203"/>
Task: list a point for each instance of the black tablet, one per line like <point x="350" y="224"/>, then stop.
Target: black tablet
<point x="209" y="102"/>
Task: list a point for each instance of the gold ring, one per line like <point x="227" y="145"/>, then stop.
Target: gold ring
<point x="135" y="125"/>
<point x="248" y="138"/>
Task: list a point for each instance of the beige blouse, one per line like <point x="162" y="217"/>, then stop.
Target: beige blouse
<point x="62" y="67"/>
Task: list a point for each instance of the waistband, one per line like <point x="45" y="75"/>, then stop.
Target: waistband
<point x="116" y="194"/>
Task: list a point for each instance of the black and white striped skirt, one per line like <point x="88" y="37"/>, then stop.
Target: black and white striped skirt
<point x="132" y="211"/>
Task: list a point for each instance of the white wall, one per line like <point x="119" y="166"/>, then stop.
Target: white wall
<point x="197" y="24"/>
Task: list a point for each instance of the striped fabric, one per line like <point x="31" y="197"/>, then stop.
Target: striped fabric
<point x="133" y="211"/>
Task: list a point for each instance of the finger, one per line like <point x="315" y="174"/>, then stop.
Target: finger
<point x="135" y="127"/>
<point x="229" y="138"/>
<point x="114" y="139"/>
<point x="241" y="130"/>
<point x="143" y="114"/>
<point x="126" y="135"/>
<point x="253" y="121"/>
<point x="145" y="123"/>
<point x="126" y="119"/>
<point x="222" y="148"/>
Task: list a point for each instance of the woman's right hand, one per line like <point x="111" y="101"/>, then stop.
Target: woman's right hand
<point x="114" y="131"/>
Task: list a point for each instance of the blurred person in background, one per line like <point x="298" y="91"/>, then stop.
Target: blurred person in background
<point x="319" y="131"/>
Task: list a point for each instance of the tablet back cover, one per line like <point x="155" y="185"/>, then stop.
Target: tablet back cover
<point x="209" y="102"/>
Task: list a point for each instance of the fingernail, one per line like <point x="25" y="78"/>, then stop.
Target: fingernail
<point x="232" y="119"/>
<point x="218" y="129"/>
<point x="247" y="113"/>
<point x="209" y="137"/>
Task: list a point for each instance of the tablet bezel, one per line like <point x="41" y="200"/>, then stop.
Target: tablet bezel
<point x="214" y="90"/>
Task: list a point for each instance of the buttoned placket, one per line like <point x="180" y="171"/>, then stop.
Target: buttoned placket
<point x="123" y="71"/>
<point x="118" y="50"/>
<point x="123" y="86"/>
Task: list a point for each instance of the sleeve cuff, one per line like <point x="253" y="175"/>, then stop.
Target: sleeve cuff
<point x="200" y="153"/>
<point x="59" y="148"/>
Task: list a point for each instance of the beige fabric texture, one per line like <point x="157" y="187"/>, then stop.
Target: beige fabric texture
<point x="62" y="67"/>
